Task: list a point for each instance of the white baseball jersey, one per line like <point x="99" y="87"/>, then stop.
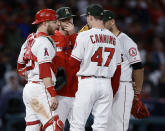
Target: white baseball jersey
<point x="122" y="102"/>
<point x="130" y="56"/>
<point x="96" y="49"/>
<point x="41" y="48"/>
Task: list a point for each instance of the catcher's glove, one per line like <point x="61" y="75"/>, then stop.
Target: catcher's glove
<point x="139" y="110"/>
<point x="60" y="78"/>
<point x="84" y="28"/>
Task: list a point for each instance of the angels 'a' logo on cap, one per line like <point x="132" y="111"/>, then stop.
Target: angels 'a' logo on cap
<point x="132" y="51"/>
<point x="67" y="11"/>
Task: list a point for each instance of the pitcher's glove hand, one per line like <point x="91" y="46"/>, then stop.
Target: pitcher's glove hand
<point x="139" y="110"/>
<point x="84" y="28"/>
<point x="60" y="78"/>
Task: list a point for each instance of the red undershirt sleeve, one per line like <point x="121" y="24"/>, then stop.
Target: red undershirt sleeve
<point x="115" y="81"/>
<point x="74" y="63"/>
<point x="44" y="70"/>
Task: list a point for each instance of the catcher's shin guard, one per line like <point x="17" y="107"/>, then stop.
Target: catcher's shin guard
<point x="59" y="126"/>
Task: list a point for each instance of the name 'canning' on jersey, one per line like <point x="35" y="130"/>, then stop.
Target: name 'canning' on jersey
<point x="96" y="49"/>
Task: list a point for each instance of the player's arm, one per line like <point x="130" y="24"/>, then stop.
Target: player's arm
<point x="74" y="63"/>
<point x="138" y="74"/>
<point x="77" y="52"/>
<point x="138" y="108"/>
<point x="115" y="80"/>
<point x="45" y="75"/>
<point x="21" y="70"/>
<point x="45" y="55"/>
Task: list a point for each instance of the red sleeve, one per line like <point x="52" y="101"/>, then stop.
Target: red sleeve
<point x="20" y="69"/>
<point x="115" y="81"/>
<point x="74" y="63"/>
<point x="44" y="70"/>
<point x="73" y="38"/>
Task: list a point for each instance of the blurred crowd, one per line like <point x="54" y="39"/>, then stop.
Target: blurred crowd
<point x="142" y="20"/>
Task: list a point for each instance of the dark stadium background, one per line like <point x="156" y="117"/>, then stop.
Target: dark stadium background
<point x="142" y="20"/>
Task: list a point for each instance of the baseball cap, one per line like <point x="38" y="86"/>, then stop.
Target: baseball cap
<point x="108" y="15"/>
<point x="64" y="13"/>
<point x="94" y="10"/>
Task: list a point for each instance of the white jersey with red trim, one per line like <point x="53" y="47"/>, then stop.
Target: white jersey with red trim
<point x="96" y="49"/>
<point x="130" y="56"/>
<point x="44" y="51"/>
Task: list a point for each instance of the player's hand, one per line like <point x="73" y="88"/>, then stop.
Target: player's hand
<point x="69" y="28"/>
<point x="54" y="103"/>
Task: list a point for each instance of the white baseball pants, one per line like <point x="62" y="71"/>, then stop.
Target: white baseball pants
<point x="121" y="107"/>
<point x="37" y="103"/>
<point x="94" y="94"/>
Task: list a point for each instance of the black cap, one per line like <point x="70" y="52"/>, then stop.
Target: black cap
<point x="64" y="13"/>
<point x="94" y="10"/>
<point x="108" y="15"/>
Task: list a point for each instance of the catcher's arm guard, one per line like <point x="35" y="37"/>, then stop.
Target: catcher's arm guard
<point x="139" y="110"/>
<point x="84" y="28"/>
<point x="60" y="78"/>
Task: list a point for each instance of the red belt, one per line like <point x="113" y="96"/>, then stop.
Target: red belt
<point x="85" y="77"/>
<point x="37" y="82"/>
<point x="33" y="123"/>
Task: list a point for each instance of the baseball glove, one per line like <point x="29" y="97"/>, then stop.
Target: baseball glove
<point x="84" y="28"/>
<point x="139" y="110"/>
<point x="60" y="78"/>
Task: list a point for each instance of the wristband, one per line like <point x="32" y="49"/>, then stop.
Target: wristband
<point x="137" y="91"/>
<point x="51" y="91"/>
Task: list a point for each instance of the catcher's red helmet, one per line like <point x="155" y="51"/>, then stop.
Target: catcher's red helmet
<point x="45" y="15"/>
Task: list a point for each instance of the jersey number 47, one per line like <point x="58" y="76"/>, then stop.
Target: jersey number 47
<point x="98" y="56"/>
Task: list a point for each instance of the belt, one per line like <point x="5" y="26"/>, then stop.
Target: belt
<point x="86" y="77"/>
<point x="37" y="82"/>
<point x="127" y="81"/>
<point x="132" y="82"/>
